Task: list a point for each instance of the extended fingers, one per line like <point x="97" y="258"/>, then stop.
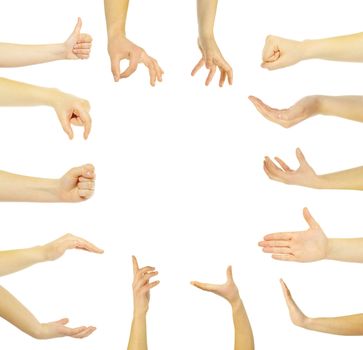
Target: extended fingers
<point x="212" y="71"/>
<point x="204" y="286"/>
<point x="272" y="171"/>
<point x="80" y="243"/>
<point x="198" y="66"/>
<point x="85" y="333"/>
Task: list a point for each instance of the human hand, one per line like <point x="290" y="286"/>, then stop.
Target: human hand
<point x="279" y="52"/>
<point x="59" y="329"/>
<point x="297" y="316"/>
<point x="57" y="248"/>
<point x="228" y="290"/>
<point x="141" y="287"/>
<point x="78" y="45"/>
<point x="212" y="59"/>
<point x="120" y="48"/>
<point x="77" y="184"/>
<point x="302" y="246"/>
<point x="71" y="110"/>
<point x="303" y="109"/>
<point x="303" y="176"/>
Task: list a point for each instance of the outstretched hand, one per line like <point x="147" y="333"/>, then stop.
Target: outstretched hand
<point x="304" y="175"/>
<point x="302" y="246"/>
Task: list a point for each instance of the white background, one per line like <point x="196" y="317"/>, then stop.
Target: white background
<point x="179" y="176"/>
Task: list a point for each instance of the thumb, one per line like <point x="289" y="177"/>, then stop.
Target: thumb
<point x="309" y="219"/>
<point x="86" y="171"/>
<point x="229" y="273"/>
<point x="63" y="321"/>
<point x="66" y="125"/>
<point x="115" y="68"/>
<point x="77" y="28"/>
<point x="300" y="157"/>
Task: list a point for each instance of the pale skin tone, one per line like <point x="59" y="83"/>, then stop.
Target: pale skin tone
<point x="305" y="175"/>
<point x="348" y="107"/>
<point x="212" y="57"/>
<point x="343" y="325"/>
<point x="243" y="332"/>
<point x="311" y="245"/>
<point x="280" y="52"/>
<point x="121" y="48"/>
<point x="76" y="46"/>
<point x="16" y="313"/>
<point x="70" y="110"/>
<point x="141" y="292"/>
<point x="76" y="185"/>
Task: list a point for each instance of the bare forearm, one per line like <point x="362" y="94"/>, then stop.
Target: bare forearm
<point x="348" y="107"/>
<point x="20" y="188"/>
<point x="344" y="325"/>
<point x="14" y="55"/>
<point x="138" y="334"/>
<point x="351" y="179"/>
<point x="243" y="332"/>
<point x="116" y="14"/>
<point x="206" y="10"/>
<point x="342" y="48"/>
<point x="349" y="250"/>
<point x="17" y="314"/>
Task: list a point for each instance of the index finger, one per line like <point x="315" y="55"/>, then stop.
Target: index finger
<point x="204" y="286"/>
<point x="87" y="122"/>
<point x="281" y="236"/>
<point x="135" y="265"/>
<point x="83" y="244"/>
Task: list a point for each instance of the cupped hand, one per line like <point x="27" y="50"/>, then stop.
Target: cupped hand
<point x="302" y="246"/>
<point x="72" y="110"/>
<point x="212" y="59"/>
<point x="304" y="175"/>
<point x="58" y="329"/>
<point x="78" y="45"/>
<point x="297" y="316"/>
<point x="141" y="287"/>
<point x="279" y="52"/>
<point x="57" y="248"/>
<point x="228" y="290"/>
<point x="120" y="48"/>
<point x="77" y="184"/>
<point x="303" y="109"/>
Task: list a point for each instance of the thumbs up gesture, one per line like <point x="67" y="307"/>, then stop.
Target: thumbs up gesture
<point x="78" y="45"/>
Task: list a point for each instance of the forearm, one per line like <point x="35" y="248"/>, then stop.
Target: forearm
<point x="349" y="250"/>
<point x="348" y="107"/>
<point x="14" y="55"/>
<point x="15" y="260"/>
<point x="345" y="325"/>
<point x="138" y="334"/>
<point x="116" y="14"/>
<point x="342" y="48"/>
<point x="351" y="179"/>
<point x="13" y="93"/>
<point x="14" y="312"/>
<point x="243" y="332"/>
<point x="20" y="188"/>
<point x="206" y="10"/>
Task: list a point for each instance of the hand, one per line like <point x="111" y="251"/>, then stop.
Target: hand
<point x="57" y="248"/>
<point x="212" y="58"/>
<point x="77" y="184"/>
<point x="120" y="48"/>
<point x="141" y="287"/>
<point x="72" y="110"/>
<point x="303" y="109"/>
<point x="296" y="315"/>
<point x="279" y="52"/>
<point x="228" y="290"/>
<point x="303" y="176"/>
<point x="304" y="246"/>
<point x="58" y="329"/>
<point x="78" y="45"/>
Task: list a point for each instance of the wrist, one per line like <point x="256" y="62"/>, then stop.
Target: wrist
<point x="236" y="304"/>
<point x="51" y="96"/>
<point x="116" y="30"/>
<point x="309" y="49"/>
<point x="330" y="249"/>
<point x="39" y="254"/>
<point x="140" y="314"/>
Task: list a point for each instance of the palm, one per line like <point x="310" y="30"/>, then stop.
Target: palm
<point x="311" y="245"/>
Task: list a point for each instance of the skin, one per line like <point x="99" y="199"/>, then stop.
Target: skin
<point x="141" y="287"/>
<point x="229" y="291"/>
<point x="311" y="245"/>
<point x="121" y="48"/>
<point x="348" y="107"/>
<point x="212" y="57"/>
<point x="71" y="110"/>
<point x="280" y="52"/>
<point x="74" y="186"/>
<point x="16" y="313"/>
<point x="305" y="175"/>
<point x="77" y="46"/>
<point x="343" y="325"/>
